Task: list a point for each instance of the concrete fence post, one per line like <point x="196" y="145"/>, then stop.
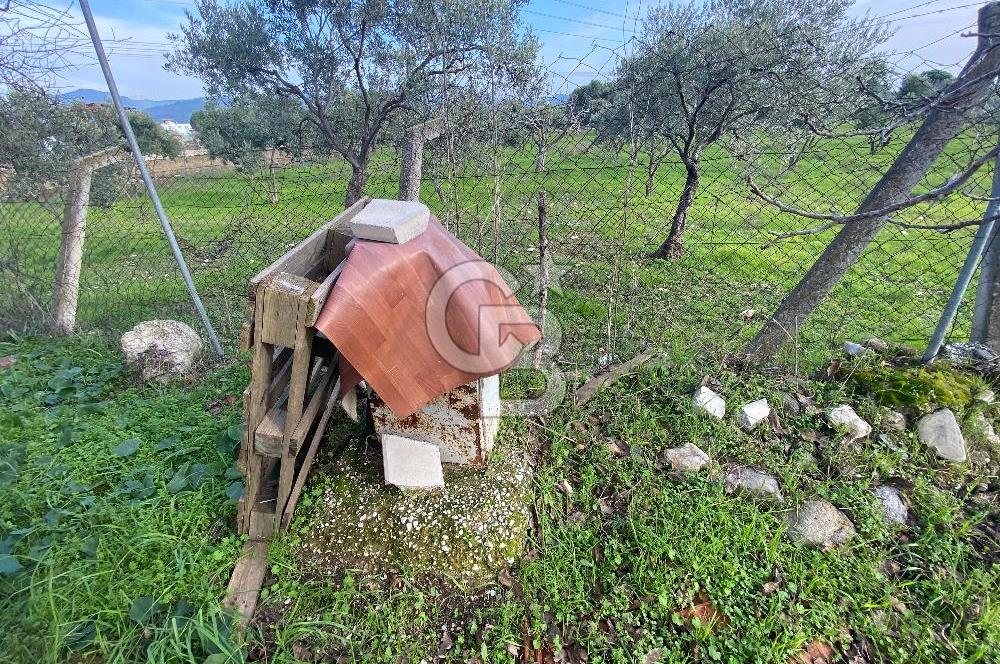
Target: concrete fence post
<point x="66" y="288"/>
<point x="412" y="157"/>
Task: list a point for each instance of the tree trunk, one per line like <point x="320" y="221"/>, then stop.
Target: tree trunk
<point x="543" y="151"/>
<point x="66" y="288"/>
<point x="356" y="186"/>
<point x="941" y="125"/>
<point x="651" y="169"/>
<point x="672" y="246"/>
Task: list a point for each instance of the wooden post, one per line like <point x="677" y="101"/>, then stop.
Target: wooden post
<point x="543" y="276"/>
<point x="66" y="289"/>
<point x="412" y="158"/>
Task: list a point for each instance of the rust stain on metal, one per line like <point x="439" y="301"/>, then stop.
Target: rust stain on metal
<point x="452" y="421"/>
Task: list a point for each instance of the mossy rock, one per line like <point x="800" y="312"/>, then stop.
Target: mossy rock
<point x="916" y="389"/>
<point x="465" y="532"/>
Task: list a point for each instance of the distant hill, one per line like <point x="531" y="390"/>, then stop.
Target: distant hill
<point x="178" y="110"/>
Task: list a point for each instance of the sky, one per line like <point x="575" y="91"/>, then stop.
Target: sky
<point x="577" y="38"/>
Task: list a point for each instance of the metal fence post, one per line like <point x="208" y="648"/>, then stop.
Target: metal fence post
<point x="986" y="311"/>
<point x="983" y="234"/>
<point x="95" y="37"/>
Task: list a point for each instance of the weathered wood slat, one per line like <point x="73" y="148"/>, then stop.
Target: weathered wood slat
<point x="308" y="253"/>
<point x="303" y="474"/>
<point x="260" y="381"/>
<point x="245" y="583"/>
<point x="270" y="435"/>
<point x="318" y="297"/>
<point x="271" y="430"/>
<point x="301" y="431"/>
<point x="297" y="387"/>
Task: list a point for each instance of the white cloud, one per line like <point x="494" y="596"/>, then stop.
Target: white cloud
<point x="136" y="52"/>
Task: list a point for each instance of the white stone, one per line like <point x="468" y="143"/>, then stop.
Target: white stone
<point x="940" y="432"/>
<point x="853" y="349"/>
<point x="819" y="523"/>
<point x="753" y="482"/>
<point x="411" y="464"/>
<point x="708" y="402"/>
<point x="753" y="414"/>
<point x="983" y="428"/>
<point x="986" y="396"/>
<point x="385" y="220"/>
<point x="891" y="503"/>
<point x="687" y="458"/>
<point x="161" y="349"/>
<point x="844" y="417"/>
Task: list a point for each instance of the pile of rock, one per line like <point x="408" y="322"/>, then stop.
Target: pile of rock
<point x="818" y="522"/>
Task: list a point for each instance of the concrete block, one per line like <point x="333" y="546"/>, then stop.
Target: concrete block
<point x="384" y="220"/>
<point x="411" y="464"/>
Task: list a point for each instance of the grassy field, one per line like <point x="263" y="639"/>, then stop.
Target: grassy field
<point x="116" y="513"/>
<point x="601" y="225"/>
<point x="117" y="500"/>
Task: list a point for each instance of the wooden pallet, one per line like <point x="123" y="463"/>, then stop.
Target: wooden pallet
<point x="293" y="384"/>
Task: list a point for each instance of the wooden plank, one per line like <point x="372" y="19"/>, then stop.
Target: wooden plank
<point x="246" y="331"/>
<point x="270" y="434"/>
<point x="281" y="319"/>
<point x="248" y="577"/>
<point x="260" y="380"/>
<point x="318" y="297"/>
<point x="303" y="256"/>
<point x="301" y="431"/>
<point x="280" y="381"/>
<point x="296" y="401"/>
<point x="303" y="474"/>
<point x="246" y="336"/>
<point x="262" y="521"/>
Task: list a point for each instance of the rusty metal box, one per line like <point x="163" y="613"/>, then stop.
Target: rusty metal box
<point x="463" y="423"/>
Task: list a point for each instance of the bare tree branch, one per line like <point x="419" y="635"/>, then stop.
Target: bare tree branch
<point x="937" y="193"/>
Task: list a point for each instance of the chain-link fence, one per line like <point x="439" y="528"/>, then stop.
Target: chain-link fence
<point x="598" y="176"/>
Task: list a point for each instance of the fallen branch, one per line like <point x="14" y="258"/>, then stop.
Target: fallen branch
<point x="588" y="390"/>
<point x="942" y="228"/>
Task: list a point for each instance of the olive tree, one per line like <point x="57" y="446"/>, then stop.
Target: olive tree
<point x="703" y="71"/>
<point x="249" y="134"/>
<point x="354" y="65"/>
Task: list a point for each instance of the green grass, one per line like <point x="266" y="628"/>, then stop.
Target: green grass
<point x="614" y="565"/>
<point x="116" y="505"/>
<point x="113" y="508"/>
<point x="601" y="225"/>
<point x="115" y="567"/>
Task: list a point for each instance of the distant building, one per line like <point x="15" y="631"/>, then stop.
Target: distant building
<point x="182" y="130"/>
